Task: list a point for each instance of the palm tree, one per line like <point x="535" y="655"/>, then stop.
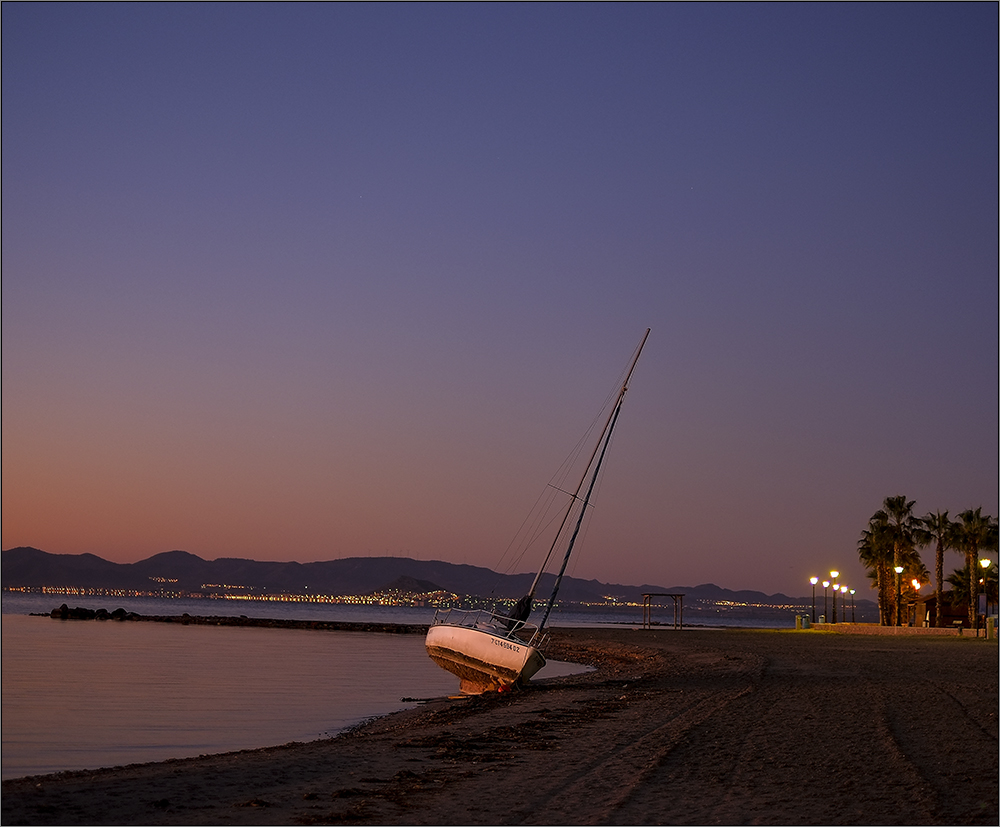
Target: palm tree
<point x="982" y="581"/>
<point x="875" y="553"/>
<point x="975" y="532"/>
<point x="940" y="531"/>
<point x="906" y="532"/>
<point x="891" y="541"/>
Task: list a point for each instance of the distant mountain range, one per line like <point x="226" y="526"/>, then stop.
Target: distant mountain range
<point x="181" y="571"/>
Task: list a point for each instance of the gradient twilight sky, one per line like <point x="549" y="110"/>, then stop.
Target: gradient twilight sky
<point x="299" y="282"/>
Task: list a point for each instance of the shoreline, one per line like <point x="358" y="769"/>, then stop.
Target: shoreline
<point x="710" y="726"/>
<point x="120" y="615"/>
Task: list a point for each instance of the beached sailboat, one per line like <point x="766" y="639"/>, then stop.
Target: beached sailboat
<point x="489" y="650"/>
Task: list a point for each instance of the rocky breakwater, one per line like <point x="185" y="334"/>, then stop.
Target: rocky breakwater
<point x="63" y="612"/>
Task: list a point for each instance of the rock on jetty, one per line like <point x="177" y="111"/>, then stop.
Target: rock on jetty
<point x="63" y="612"/>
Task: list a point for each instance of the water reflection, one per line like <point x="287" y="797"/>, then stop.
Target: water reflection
<point x="86" y="694"/>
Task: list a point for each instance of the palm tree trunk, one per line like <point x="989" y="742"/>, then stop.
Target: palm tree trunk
<point x="885" y="610"/>
<point x="970" y="561"/>
<point x="878" y="590"/>
<point x="939" y="576"/>
<point x="895" y="595"/>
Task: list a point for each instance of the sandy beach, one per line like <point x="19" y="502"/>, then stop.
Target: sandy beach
<point x="692" y="727"/>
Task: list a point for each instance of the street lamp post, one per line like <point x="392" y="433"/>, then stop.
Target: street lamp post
<point x="916" y="596"/>
<point x="852" y="606"/>
<point x="826" y="585"/>
<point x="984" y="564"/>
<point x="899" y="584"/>
<point x="814" y="581"/>
<point x="833" y="577"/>
<point x="843" y="603"/>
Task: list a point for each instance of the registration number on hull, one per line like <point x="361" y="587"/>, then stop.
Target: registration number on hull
<point x="503" y="644"/>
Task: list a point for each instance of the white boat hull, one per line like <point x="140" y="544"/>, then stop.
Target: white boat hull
<point x="483" y="661"/>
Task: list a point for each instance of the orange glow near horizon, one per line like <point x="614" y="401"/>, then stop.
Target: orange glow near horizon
<point x="370" y="306"/>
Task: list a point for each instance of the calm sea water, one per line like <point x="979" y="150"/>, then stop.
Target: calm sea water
<point x="87" y="694"/>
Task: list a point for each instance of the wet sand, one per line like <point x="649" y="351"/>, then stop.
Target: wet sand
<point x="693" y="727"/>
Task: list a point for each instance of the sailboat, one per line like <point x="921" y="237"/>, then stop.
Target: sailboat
<point x="492" y="651"/>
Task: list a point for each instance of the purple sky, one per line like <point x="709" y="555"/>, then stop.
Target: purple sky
<point x="298" y="282"/>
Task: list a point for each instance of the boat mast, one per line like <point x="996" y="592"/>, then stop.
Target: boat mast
<point x="583" y="478"/>
<point x="602" y="445"/>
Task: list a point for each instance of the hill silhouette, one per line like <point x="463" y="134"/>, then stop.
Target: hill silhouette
<point x="183" y="571"/>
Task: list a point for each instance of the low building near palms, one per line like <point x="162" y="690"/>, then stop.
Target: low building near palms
<point x="923" y="611"/>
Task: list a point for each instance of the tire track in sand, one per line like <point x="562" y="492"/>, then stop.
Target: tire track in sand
<point x="605" y="785"/>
